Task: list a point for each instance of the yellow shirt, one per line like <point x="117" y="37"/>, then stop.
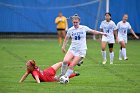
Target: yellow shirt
<point x="61" y="22"/>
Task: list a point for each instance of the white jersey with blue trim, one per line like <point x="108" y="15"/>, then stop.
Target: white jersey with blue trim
<point x="123" y="28"/>
<point x="108" y="28"/>
<point x="78" y="36"/>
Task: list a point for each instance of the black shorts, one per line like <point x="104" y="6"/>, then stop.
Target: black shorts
<point x="59" y="29"/>
<point x="110" y="45"/>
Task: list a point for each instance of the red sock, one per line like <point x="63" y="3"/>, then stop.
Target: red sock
<point x="72" y="75"/>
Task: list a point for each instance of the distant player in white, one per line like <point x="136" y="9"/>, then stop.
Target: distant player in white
<point x="108" y="26"/>
<point x="122" y="27"/>
<point x="78" y="47"/>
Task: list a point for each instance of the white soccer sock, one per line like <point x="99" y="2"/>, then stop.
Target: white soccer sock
<point x="124" y="52"/>
<point x="69" y="72"/>
<point x="64" y="68"/>
<point x="111" y="56"/>
<point x="104" y="55"/>
<point x="120" y="53"/>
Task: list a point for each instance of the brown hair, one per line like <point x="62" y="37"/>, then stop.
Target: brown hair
<point x="31" y="63"/>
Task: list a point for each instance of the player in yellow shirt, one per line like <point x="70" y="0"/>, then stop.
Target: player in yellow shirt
<point x="62" y="25"/>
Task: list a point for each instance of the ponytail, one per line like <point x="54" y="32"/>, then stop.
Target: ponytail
<point x="33" y="63"/>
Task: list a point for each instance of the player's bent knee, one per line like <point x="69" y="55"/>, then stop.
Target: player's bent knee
<point x="111" y="50"/>
<point x="123" y="45"/>
<point x="103" y="49"/>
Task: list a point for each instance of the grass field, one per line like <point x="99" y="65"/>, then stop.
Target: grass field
<point x="121" y="77"/>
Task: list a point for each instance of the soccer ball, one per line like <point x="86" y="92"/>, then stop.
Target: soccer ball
<point x="64" y="79"/>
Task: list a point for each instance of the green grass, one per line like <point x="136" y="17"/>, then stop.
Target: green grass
<point x="121" y="77"/>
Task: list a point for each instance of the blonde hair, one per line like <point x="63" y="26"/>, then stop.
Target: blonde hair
<point x="75" y="16"/>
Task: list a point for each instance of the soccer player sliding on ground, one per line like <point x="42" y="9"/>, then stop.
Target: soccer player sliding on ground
<point x="122" y="28"/>
<point x="78" y="47"/>
<point x="47" y="75"/>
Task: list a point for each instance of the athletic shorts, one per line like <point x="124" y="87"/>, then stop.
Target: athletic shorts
<point x="50" y="74"/>
<point x="80" y="53"/>
<point x="58" y="29"/>
<point x="108" y="40"/>
<point x="122" y="39"/>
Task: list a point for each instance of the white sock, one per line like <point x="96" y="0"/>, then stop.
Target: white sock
<point x="120" y="53"/>
<point x="111" y="56"/>
<point x="124" y="52"/>
<point x="64" y="68"/>
<point x="69" y="72"/>
<point x="104" y="55"/>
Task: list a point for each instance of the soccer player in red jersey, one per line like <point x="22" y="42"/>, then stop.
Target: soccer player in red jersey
<point x="47" y="75"/>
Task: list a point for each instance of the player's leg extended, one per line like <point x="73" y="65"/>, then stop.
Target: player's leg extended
<point x="76" y="59"/>
<point x="111" y="52"/>
<point x="73" y="75"/>
<point x="57" y="66"/>
<point x="59" y="37"/>
<point x="123" y="45"/>
<point x="68" y="57"/>
<point x="103" y="46"/>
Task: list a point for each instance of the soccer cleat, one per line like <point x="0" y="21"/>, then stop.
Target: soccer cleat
<point x="79" y="63"/>
<point x="111" y="62"/>
<point x="77" y="74"/>
<point x="120" y="58"/>
<point x="104" y="62"/>
<point x="126" y="58"/>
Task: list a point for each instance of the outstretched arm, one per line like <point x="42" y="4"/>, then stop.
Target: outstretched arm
<point x="65" y="43"/>
<point x="24" y="76"/>
<point x="37" y="79"/>
<point x="98" y="33"/>
<point x="131" y="30"/>
<point x="66" y="25"/>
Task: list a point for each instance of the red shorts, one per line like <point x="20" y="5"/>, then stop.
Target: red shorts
<point x="50" y="74"/>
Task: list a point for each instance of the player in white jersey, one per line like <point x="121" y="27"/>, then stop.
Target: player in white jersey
<point x="122" y="28"/>
<point x="78" y="47"/>
<point x="108" y="26"/>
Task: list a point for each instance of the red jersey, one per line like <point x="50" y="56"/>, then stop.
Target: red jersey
<point x="46" y="75"/>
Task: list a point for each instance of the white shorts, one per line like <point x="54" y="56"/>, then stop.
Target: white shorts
<point x="108" y="40"/>
<point x="80" y="53"/>
<point x="122" y="39"/>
